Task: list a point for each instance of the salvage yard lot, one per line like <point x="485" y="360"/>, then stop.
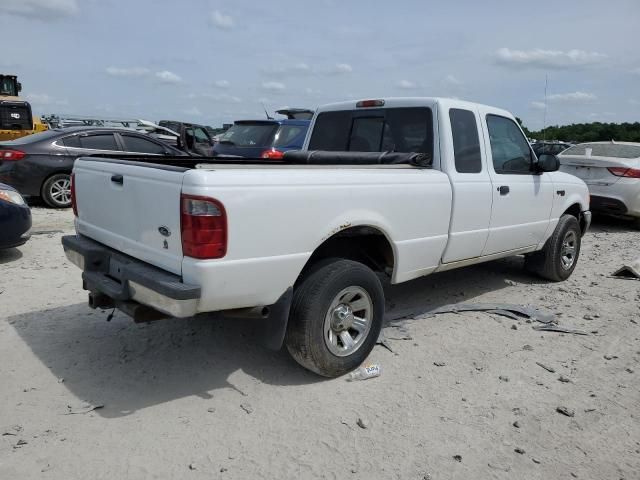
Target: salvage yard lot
<point x="198" y="398"/>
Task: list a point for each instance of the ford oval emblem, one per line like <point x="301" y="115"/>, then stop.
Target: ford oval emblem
<point x="164" y="231"/>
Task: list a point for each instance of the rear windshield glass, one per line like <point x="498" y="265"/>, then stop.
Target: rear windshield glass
<point x="290" y="136"/>
<point x="617" y="150"/>
<point x="390" y="129"/>
<point x="250" y="134"/>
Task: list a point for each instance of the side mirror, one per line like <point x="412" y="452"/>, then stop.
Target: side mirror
<point x="548" y="163"/>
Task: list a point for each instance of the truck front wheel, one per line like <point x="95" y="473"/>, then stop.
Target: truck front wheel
<point x="336" y="316"/>
<point x="558" y="259"/>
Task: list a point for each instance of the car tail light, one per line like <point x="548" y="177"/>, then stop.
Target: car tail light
<point x="74" y="205"/>
<point x="272" y="154"/>
<point x="11" y="155"/>
<point x="624" y="172"/>
<point x="369" y="103"/>
<point x="203" y="222"/>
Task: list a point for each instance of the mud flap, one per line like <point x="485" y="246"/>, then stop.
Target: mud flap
<point x="274" y="327"/>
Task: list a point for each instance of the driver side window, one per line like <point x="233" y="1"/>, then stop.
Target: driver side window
<point x="509" y="148"/>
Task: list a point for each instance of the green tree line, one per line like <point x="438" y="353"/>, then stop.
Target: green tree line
<point x="588" y="132"/>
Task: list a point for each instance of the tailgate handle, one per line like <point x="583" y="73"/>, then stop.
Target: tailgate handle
<point x="119" y="179"/>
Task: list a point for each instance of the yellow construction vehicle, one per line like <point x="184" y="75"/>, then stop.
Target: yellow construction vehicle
<point x="16" y="118"/>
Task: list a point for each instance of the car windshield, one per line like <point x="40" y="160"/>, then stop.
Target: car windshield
<point x="616" y="150"/>
<point x="288" y="134"/>
<point x="250" y="134"/>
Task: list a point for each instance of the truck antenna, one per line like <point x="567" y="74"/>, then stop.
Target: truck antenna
<point x="266" y="113"/>
<point x="544" y="118"/>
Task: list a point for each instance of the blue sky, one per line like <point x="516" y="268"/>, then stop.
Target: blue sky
<point x="211" y="62"/>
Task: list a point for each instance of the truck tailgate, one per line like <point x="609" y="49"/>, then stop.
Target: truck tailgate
<point x="131" y="208"/>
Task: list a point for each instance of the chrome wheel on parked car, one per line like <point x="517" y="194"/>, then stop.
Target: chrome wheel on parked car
<point x="348" y="321"/>
<point x="568" y="251"/>
<point x="56" y="191"/>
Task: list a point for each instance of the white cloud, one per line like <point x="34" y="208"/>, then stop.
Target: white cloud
<point x="44" y="99"/>
<point x="273" y="86"/>
<point x="406" y="85"/>
<point x="127" y="72"/>
<point x="553" y="59"/>
<point x="221" y="21"/>
<point x="573" y="97"/>
<point x="166" y="76"/>
<point x="218" y="97"/>
<point x="285" y="70"/>
<point x="339" y="68"/>
<point x="40" y="9"/>
<point x="193" y="111"/>
<point x="222" y="83"/>
<point x="453" y="81"/>
<point x="538" y="105"/>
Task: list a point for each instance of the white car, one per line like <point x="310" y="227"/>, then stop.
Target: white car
<point x="297" y="242"/>
<point x="611" y="170"/>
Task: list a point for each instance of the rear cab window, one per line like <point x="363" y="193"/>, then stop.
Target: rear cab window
<point x="250" y="134"/>
<point x="466" y="141"/>
<point x="403" y="129"/>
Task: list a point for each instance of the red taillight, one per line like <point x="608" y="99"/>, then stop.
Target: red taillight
<point x="369" y="103"/>
<point x="74" y="206"/>
<point x="203" y="223"/>
<point x="11" y="155"/>
<point x="272" y="154"/>
<point x="624" y="172"/>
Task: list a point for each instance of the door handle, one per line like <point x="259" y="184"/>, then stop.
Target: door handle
<point x="119" y="179"/>
<point x="504" y="190"/>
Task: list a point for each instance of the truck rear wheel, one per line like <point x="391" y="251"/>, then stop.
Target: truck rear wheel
<point x="559" y="257"/>
<point x="336" y="316"/>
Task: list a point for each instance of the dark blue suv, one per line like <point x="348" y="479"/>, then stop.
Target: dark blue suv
<point x="262" y="138"/>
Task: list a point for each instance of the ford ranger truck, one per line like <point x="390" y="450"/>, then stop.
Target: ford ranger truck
<point x="403" y="187"/>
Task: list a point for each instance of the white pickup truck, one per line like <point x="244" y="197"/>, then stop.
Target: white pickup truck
<point x="302" y="242"/>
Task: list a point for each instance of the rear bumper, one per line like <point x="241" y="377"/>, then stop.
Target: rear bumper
<point x="125" y="279"/>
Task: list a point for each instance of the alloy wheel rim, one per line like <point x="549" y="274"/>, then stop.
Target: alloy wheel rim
<point x="60" y="191"/>
<point x="348" y="321"/>
<point x="569" y="250"/>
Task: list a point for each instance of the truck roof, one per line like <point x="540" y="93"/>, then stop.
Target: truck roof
<point x="399" y="102"/>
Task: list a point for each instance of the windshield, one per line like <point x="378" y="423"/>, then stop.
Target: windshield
<point x="8" y="86"/>
<point x="617" y="150"/>
<point x="250" y="134"/>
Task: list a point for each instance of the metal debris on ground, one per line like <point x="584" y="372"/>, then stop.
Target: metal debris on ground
<point x="565" y="411"/>
<point x="512" y="311"/>
<point x="548" y="369"/>
<point x="84" y="409"/>
<point x="630" y="271"/>
<point x="559" y="329"/>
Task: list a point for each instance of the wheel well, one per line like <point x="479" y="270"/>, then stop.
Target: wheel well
<point x="364" y="244"/>
<point x="576" y="211"/>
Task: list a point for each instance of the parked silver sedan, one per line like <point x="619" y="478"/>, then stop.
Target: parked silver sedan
<point x="611" y="170"/>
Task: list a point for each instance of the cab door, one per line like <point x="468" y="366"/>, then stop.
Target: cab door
<point x="470" y="181"/>
<point x="522" y="198"/>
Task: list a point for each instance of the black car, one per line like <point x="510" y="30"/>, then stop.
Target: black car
<point x="15" y="218"/>
<point x="40" y="165"/>
<point x="549" y="148"/>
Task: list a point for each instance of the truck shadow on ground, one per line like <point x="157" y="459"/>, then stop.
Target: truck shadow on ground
<point x="128" y="366"/>
<point x="9" y="255"/>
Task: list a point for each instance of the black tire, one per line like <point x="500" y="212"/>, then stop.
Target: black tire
<point x="56" y="190"/>
<point x="552" y="262"/>
<point x="314" y="297"/>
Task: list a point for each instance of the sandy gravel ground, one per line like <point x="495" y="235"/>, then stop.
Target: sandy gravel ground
<point x="200" y="399"/>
